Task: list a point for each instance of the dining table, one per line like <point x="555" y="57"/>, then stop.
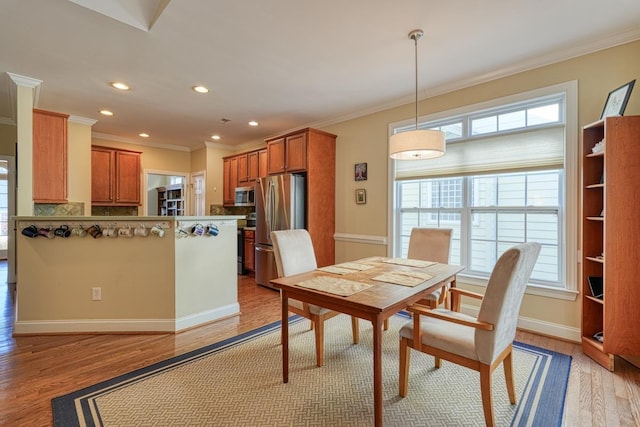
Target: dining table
<point x="373" y="289"/>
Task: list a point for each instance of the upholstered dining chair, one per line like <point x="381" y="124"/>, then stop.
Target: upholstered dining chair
<point x="431" y="244"/>
<point x="294" y="254"/>
<point x="480" y="343"/>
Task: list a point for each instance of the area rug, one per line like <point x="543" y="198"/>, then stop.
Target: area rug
<point x="238" y="382"/>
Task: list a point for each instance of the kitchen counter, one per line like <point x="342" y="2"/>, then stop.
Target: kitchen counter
<point x="136" y="281"/>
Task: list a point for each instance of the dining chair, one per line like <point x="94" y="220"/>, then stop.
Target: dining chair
<point x="480" y="343"/>
<point x="431" y="244"/>
<point x="294" y="254"/>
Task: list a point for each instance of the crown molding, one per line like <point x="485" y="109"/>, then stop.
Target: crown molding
<point x="19" y="80"/>
<point x="110" y="137"/>
<point x="219" y="146"/>
<point x="82" y="120"/>
<point x="613" y="40"/>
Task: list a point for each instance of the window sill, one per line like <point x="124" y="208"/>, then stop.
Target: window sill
<point x="543" y="291"/>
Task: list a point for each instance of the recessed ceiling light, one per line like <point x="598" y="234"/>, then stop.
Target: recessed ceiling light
<point x="253" y="123"/>
<point x="106" y="113"/>
<point x="120" y="85"/>
<point x="200" y="89"/>
<point x="144" y="135"/>
<point x="216" y="137"/>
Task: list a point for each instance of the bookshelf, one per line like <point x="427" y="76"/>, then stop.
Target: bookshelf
<point x="171" y="200"/>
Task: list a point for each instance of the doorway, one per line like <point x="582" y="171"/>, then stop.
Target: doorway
<point x="198" y="196"/>
<point x="154" y="179"/>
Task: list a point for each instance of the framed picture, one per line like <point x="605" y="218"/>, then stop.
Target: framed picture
<point x="361" y="172"/>
<point x="361" y="196"/>
<point x="617" y="100"/>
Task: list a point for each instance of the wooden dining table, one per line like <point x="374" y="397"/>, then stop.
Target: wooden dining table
<point x="376" y="303"/>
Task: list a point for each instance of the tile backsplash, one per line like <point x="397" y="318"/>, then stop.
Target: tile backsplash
<point x="65" y="209"/>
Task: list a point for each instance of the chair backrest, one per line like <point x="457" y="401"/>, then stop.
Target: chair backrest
<point x="430" y="244"/>
<point x="502" y="299"/>
<point x="293" y="251"/>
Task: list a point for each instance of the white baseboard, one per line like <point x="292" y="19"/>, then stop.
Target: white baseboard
<point x="103" y="326"/>
<point x="536" y="325"/>
<point x="206" y="316"/>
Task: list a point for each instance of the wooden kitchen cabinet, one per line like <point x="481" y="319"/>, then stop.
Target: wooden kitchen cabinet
<point x="254" y="166"/>
<point x="262" y="163"/>
<point x="243" y="168"/>
<point x="313" y="153"/>
<point x="230" y="180"/>
<point x="249" y="250"/>
<point x="287" y="154"/>
<point x="49" y="157"/>
<point x="115" y="177"/>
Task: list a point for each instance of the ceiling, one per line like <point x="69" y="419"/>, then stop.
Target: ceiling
<point x="284" y="63"/>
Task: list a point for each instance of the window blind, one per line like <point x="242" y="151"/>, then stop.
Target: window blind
<point x="541" y="148"/>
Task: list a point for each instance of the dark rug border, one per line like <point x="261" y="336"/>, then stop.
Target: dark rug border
<point x="65" y="414"/>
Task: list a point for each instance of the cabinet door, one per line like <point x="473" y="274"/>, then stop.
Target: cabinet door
<point x="49" y="157"/>
<point x="234" y="177"/>
<point x="127" y="177"/>
<point x="262" y="163"/>
<point x="249" y="250"/>
<point x="296" y="153"/>
<point x="243" y="168"/>
<point x="228" y="189"/>
<point x="276" y="156"/>
<point x="254" y="167"/>
<point x="102" y="165"/>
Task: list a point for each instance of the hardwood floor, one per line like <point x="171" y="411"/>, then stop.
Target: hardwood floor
<point x="33" y="370"/>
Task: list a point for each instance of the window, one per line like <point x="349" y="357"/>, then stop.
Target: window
<point x="507" y="178"/>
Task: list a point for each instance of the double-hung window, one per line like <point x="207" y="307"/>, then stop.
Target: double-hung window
<point x="509" y="176"/>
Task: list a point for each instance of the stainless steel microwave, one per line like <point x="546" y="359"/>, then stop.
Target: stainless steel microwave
<point x="245" y="196"/>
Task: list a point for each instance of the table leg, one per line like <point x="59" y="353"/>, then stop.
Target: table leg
<point x="377" y="370"/>
<point x="285" y="337"/>
<point x="455" y="298"/>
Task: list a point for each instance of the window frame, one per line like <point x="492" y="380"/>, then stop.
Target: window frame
<point x="569" y="192"/>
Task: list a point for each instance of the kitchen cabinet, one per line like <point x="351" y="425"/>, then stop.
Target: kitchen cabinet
<point x="230" y="180"/>
<point x="313" y="152"/>
<point x="243" y="168"/>
<point x="610" y="248"/>
<point x="115" y="177"/>
<point x="287" y="154"/>
<point x="249" y="250"/>
<point x="254" y="167"/>
<point x="49" y="157"/>
<point x="262" y="163"/>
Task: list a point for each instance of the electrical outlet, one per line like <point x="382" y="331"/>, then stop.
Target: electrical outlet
<point x="96" y="294"/>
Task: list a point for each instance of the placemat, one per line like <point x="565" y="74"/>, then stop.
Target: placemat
<point x="334" y="285"/>
<point x="409" y="262"/>
<point x="404" y="278"/>
<point x="336" y="270"/>
<point x="358" y="266"/>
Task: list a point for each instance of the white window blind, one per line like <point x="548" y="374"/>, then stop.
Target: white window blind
<point x="530" y="149"/>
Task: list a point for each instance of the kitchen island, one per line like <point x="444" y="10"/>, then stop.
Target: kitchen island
<point x="154" y="275"/>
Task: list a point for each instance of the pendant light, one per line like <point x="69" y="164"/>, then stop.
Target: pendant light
<point x="419" y="143"/>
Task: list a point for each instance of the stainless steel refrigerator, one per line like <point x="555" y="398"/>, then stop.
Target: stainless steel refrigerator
<point x="280" y="205"/>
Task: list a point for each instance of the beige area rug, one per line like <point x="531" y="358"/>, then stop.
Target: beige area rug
<point x="239" y="383"/>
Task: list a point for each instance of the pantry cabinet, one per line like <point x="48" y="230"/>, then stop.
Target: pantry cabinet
<point x="49" y="157"/>
<point x="115" y="177"/>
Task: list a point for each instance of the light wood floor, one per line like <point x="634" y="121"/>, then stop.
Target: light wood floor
<point x="33" y="370"/>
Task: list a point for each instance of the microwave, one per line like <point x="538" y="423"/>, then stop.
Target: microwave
<point x="245" y="196"/>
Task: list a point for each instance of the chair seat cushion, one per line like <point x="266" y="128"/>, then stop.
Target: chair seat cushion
<point x="314" y="309"/>
<point x="443" y="335"/>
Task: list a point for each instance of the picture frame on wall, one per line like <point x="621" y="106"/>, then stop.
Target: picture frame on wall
<point x="360" y="172"/>
<point x="617" y="100"/>
<point x="361" y="196"/>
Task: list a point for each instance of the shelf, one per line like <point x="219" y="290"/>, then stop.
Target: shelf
<point x="595" y="186"/>
<point x="594" y="299"/>
<point x="595" y="259"/>
<point x="598" y="154"/>
<point x="595" y="218"/>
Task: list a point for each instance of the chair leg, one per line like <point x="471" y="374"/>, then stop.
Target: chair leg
<point x="405" y="357"/>
<point x="355" y="329"/>
<point x="386" y="325"/>
<point x="319" y="333"/>
<point x="437" y="362"/>
<point x="507" y="363"/>
<point x="312" y="326"/>
<point x="485" y="391"/>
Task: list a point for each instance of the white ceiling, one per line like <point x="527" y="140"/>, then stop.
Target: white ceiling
<point x="284" y="63"/>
